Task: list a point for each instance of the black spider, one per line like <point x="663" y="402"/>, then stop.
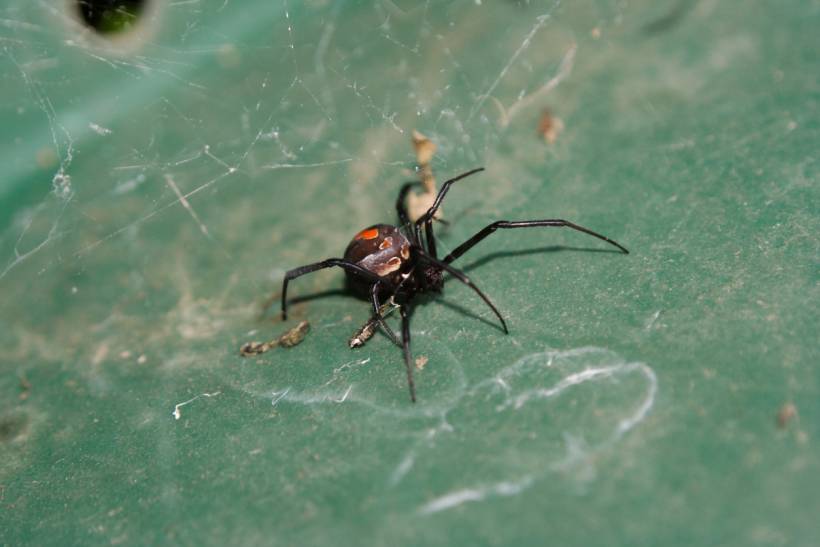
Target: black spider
<point x="392" y="265"/>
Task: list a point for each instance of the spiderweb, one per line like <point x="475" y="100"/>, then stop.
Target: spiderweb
<point x="210" y="107"/>
<point x="156" y="187"/>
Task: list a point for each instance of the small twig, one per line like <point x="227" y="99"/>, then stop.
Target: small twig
<point x="369" y="329"/>
<point x="425" y="150"/>
<point x="418" y="204"/>
<point x="289" y="339"/>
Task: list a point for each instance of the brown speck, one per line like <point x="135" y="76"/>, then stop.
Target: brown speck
<point x="47" y="158"/>
<point x="786" y="414"/>
<point x="25" y="388"/>
<point x="549" y="126"/>
<point x="421" y="361"/>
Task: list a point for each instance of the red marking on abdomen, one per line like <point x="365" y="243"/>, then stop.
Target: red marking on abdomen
<point x="388" y="242"/>
<point x="370" y="233"/>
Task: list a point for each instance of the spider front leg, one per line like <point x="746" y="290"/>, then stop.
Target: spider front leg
<point x="556" y="223"/>
<point x="401" y="203"/>
<point x="329" y="263"/>
<point x="426" y="220"/>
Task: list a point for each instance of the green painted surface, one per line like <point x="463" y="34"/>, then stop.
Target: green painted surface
<point x="633" y="403"/>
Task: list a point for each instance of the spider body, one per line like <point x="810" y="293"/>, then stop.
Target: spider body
<point x="380" y="249"/>
<point x="392" y="265"/>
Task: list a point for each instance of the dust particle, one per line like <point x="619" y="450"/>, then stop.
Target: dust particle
<point x="786" y="414"/>
<point x="549" y="126"/>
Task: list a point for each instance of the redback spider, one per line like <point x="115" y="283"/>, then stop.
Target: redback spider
<point x="392" y="264"/>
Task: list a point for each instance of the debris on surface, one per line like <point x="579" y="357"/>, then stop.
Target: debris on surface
<point x="289" y="339"/>
<point x="295" y="335"/>
<point x="25" y="388"/>
<point x="367" y="330"/>
<point x="549" y="126"/>
<point x="425" y="150"/>
<point x="786" y="414"/>
<point x="177" y="413"/>
<point x="421" y="361"/>
<point x="363" y="334"/>
<point x="418" y="204"/>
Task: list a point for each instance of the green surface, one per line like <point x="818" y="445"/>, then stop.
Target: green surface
<point x="633" y="403"/>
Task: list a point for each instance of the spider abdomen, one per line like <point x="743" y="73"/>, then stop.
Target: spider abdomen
<point x="381" y="249"/>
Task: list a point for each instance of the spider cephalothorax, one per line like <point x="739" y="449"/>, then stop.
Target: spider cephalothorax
<point x="391" y="265"/>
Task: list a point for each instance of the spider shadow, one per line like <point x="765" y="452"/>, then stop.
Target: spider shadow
<point x="271" y="302"/>
<point x="671" y="19"/>
<point x="505" y="254"/>
<point x="317" y="295"/>
<point x="464" y="311"/>
<point x="538" y="250"/>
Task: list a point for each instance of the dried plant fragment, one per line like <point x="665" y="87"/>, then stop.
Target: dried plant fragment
<point x="369" y="329"/>
<point x="289" y="339"/>
<point x="418" y="204"/>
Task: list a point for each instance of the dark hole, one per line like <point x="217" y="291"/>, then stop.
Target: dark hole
<point x="11" y="426"/>
<point x="111" y="16"/>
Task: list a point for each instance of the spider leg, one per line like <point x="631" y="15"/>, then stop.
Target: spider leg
<point x="430" y="237"/>
<point x="467" y="245"/>
<point x="443" y="192"/>
<point x="329" y="263"/>
<point x="401" y="202"/>
<point x="426" y="219"/>
<point x="377" y="314"/>
<point x="405" y="340"/>
<point x="458" y="274"/>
